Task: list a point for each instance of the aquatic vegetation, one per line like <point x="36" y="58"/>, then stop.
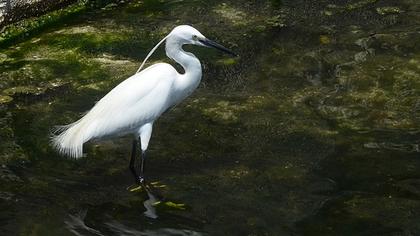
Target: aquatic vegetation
<point x="235" y="16"/>
<point x="4" y="99"/>
<point x="388" y="10"/>
<point x="21" y="30"/>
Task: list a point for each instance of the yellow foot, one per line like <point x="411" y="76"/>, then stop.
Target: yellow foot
<point x="157" y="184"/>
<point x="173" y="205"/>
<point x="134" y="188"/>
<point x="179" y="206"/>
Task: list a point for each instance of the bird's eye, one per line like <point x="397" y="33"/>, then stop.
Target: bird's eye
<point x="195" y="37"/>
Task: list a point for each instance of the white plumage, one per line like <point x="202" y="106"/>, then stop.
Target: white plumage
<point x="136" y="101"/>
<point x="133" y="105"/>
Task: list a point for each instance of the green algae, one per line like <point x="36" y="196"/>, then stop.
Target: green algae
<point x="227" y="61"/>
<point x="388" y="10"/>
<point x="235" y="16"/>
<point x="28" y="27"/>
<point x="15" y="91"/>
<point x="4" y="99"/>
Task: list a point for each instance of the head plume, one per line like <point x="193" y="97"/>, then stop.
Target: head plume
<point x="151" y="52"/>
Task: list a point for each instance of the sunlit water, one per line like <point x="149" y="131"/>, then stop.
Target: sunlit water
<point x="313" y="130"/>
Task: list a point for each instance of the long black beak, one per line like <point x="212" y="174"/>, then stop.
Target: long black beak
<point x="213" y="44"/>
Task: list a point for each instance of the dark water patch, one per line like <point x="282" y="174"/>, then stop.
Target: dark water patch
<point x="346" y="215"/>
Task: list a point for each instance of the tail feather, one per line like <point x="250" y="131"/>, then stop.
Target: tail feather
<point x="68" y="140"/>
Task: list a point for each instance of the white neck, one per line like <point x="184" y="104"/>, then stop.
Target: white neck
<point x="191" y="78"/>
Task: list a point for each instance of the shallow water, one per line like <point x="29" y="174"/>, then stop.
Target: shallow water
<point x="313" y="130"/>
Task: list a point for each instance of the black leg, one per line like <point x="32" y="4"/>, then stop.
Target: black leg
<point x="133" y="160"/>
<point x="142" y="166"/>
<point x="138" y="176"/>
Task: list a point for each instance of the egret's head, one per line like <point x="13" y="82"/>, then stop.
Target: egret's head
<point x="186" y="34"/>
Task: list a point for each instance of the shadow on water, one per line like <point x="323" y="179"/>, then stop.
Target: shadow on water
<point x="314" y="130"/>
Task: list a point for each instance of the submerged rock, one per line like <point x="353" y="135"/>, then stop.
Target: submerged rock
<point x="223" y="111"/>
<point x="8" y="175"/>
<point x="233" y="15"/>
<point x="10" y="151"/>
<point x="6" y="195"/>
<point x="19" y="91"/>
<point x="5" y="99"/>
<point x="388" y="10"/>
<point x="3" y="57"/>
<point x="33" y="93"/>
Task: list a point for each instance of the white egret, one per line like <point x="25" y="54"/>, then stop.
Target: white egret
<point x="133" y="105"/>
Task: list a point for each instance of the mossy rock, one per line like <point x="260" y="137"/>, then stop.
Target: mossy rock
<point x="388" y="10"/>
<point x="23" y="90"/>
<point x="33" y="93"/>
<point x="5" y="99"/>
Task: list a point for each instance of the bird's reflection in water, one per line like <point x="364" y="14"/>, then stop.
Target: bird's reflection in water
<point x="120" y="229"/>
<point x="105" y="219"/>
<point x="77" y="226"/>
<point x="150" y="202"/>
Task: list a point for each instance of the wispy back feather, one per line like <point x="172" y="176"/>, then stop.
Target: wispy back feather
<point x="68" y="140"/>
